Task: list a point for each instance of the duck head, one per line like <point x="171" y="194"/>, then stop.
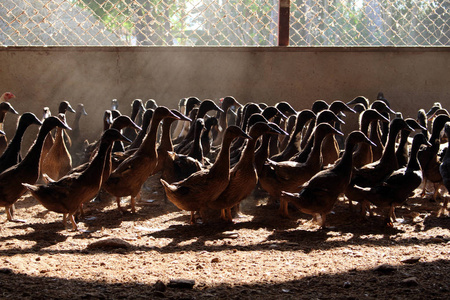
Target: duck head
<point x="328" y="116"/>
<point x="124" y="121"/>
<point x="29" y="118"/>
<point x="7" y="107"/>
<point x="65" y="106"/>
<point x="271" y="111"/>
<point x="340" y="107"/>
<point x="151" y="103"/>
<point x="319" y="105"/>
<point x="191" y="102"/>
<point x="114" y="104"/>
<point x="381" y="107"/>
<point x="360" y="100"/>
<point x="111" y="135"/>
<point x="285" y="108"/>
<point x="81" y="110"/>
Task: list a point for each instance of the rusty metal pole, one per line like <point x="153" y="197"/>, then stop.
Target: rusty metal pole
<point x="283" y="22"/>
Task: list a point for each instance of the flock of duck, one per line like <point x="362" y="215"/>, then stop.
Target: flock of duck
<point x="210" y="157"/>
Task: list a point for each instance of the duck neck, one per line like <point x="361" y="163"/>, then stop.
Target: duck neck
<point x="248" y="155"/>
<point x="33" y="155"/>
<point x="223" y="122"/>
<point x="374" y="134"/>
<point x="413" y="163"/>
<point x="315" y="156"/>
<point x="2" y="118"/>
<point x="364" y="125"/>
<point x="139" y="138"/>
<point x="166" y="141"/>
<point x="388" y="155"/>
<point x="76" y="121"/>
<point x="307" y="137"/>
<point x="221" y="166"/>
<point x="262" y="153"/>
<point x="205" y="140"/>
<point x="402" y="145"/>
<point x="107" y="168"/>
<point x="196" y="150"/>
<point x="148" y="145"/>
<point x="293" y="139"/>
<point x="16" y="141"/>
<point x="346" y="162"/>
<point x="96" y="168"/>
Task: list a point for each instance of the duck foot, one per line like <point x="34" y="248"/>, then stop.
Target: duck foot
<point x="17" y="221"/>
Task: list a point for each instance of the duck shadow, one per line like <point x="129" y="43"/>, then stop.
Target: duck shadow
<point x="373" y="283"/>
<point x="43" y="234"/>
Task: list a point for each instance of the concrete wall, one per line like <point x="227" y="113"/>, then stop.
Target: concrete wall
<point x="410" y="78"/>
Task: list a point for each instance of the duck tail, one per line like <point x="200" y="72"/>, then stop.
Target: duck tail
<point x="47" y="178"/>
<point x="30" y="187"/>
<point x="167" y="186"/>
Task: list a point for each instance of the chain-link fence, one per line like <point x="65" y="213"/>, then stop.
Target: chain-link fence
<point x="223" y="22"/>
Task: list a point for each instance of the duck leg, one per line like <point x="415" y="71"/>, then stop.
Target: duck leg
<point x="443" y="209"/>
<point x="133" y="202"/>
<point x="118" y="204"/>
<point x="284" y="208"/>
<point x="192" y="219"/>
<point x="10" y="214"/>
<point x="74" y="224"/>
<point x="436" y="191"/>
<point x="65" y="221"/>
<point x="392" y="216"/>
<point x="229" y="216"/>
<point x="424" y="189"/>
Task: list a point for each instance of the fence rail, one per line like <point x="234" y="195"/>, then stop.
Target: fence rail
<point x="223" y="22"/>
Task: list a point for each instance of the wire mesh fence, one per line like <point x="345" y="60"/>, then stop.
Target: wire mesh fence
<point x="223" y="22"/>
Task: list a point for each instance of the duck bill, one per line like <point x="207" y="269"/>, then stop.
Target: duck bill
<point x="277" y="129"/>
<point x="69" y="108"/>
<point x="12" y="110"/>
<point x="125" y="139"/>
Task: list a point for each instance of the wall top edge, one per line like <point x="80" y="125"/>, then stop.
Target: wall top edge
<point x="221" y="49"/>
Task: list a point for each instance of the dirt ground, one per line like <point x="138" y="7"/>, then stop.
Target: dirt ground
<point x="155" y="253"/>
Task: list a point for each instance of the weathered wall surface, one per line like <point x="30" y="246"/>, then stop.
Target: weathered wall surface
<point x="410" y="78"/>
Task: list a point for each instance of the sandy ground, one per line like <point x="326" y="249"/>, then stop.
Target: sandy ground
<point x="260" y="256"/>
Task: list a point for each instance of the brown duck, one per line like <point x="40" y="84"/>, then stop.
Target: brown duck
<point x="402" y="152"/>
<point x="58" y="161"/>
<point x="27" y="171"/>
<point x="227" y="103"/>
<point x="303" y="117"/>
<point x="330" y="145"/>
<point x="182" y="128"/>
<point x="375" y="129"/>
<point x="137" y="107"/>
<point x="166" y="146"/>
<point x="193" y="193"/>
<point x="243" y="178"/>
<point x="77" y="139"/>
<point x="289" y="175"/>
<point x="206" y="106"/>
<point x="429" y="159"/>
<point x="11" y="155"/>
<point x="399" y="186"/>
<point x="70" y="192"/>
<point x="363" y="152"/>
<point x="128" y="178"/>
<point x="319" y="194"/>
<point x="444" y="168"/>
<point x="374" y="173"/>
<point x="317" y="107"/>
